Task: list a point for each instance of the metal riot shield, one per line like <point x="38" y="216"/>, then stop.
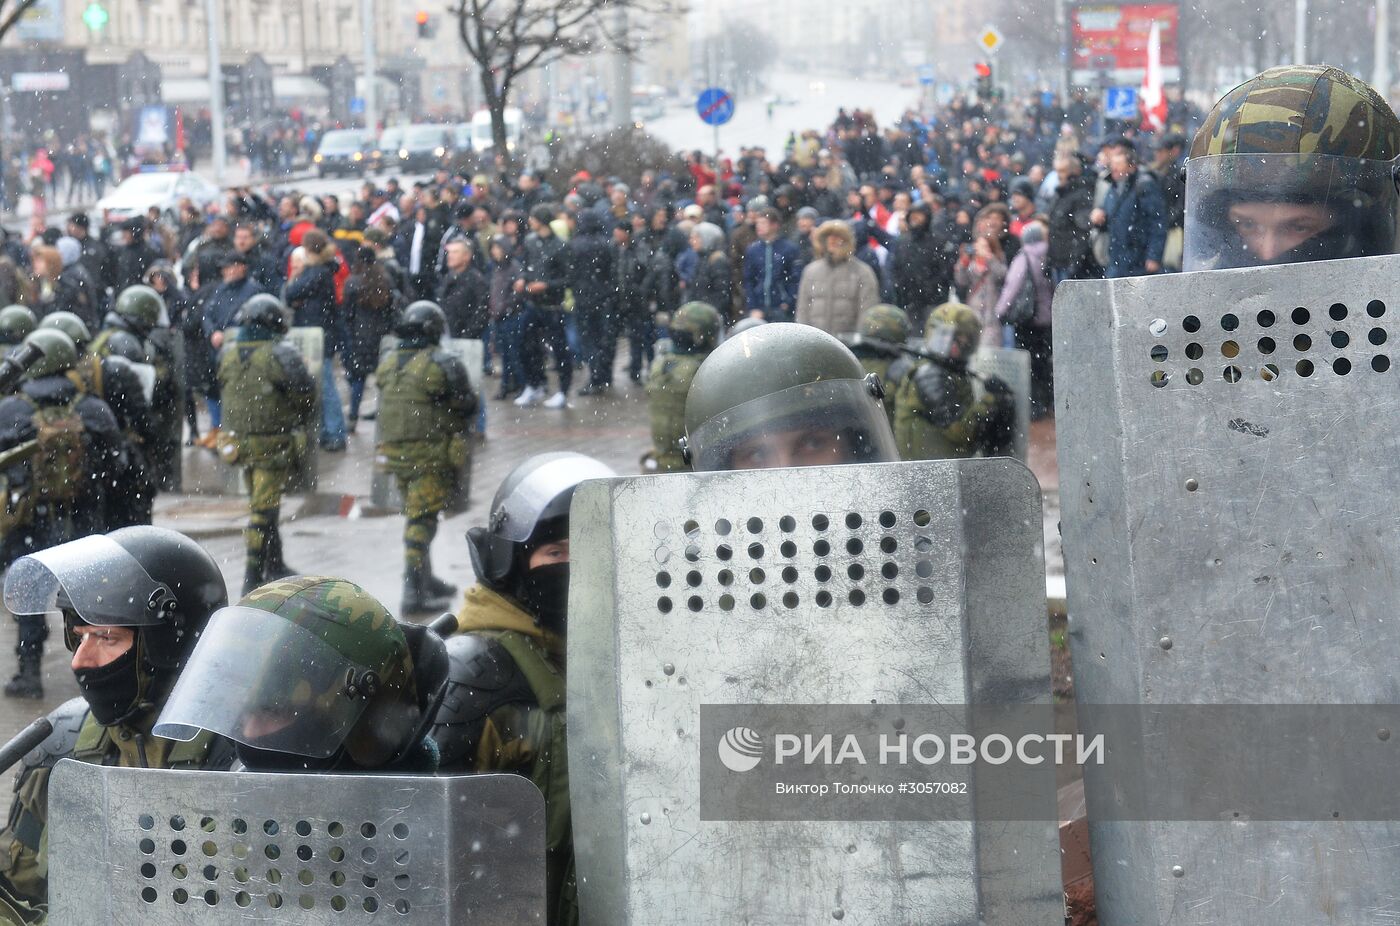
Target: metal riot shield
<point x="1013" y="367"/>
<point x="130" y="845"/>
<point x="384" y="488"/>
<point x="906" y="583"/>
<point x="310" y="343"/>
<point x="1226" y="446"/>
<point x="169" y="409"/>
<point x="146" y="375"/>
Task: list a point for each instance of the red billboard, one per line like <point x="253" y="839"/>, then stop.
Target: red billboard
<point x="1109" y="40"/>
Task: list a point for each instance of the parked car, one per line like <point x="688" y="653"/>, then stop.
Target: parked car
<point x="481" y="129"/>
<point x="343" y="151"/>
<point x="162" y="189"/>
<point x="386" y="153"/>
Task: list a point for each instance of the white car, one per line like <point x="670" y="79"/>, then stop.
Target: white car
<point x="162" y="189"/>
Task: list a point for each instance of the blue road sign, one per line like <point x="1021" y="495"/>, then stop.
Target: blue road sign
<point x="1120" y="102"/>
<point x="715" y="106"/>
<point x="357" y="106"/>
<point x="926" y="74"/>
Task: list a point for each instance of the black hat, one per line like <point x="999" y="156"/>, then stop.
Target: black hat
<point x="80" y="219"/>
<point x="234" y="257"/>
<point x="463" y="210"/>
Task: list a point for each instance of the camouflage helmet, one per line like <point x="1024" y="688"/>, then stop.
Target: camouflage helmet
<point x="776" y="383"/>
<point x="264" y="311"/>
<point x="1295" y="164"/>
<point x="69" y="324"/>
<point x="140" y="305"/>
<point x="59" y="352"/>
<point x="422" y="320"/>
<point x="695" y="328"/>
<point x="15" y="322"/>
<point x="307" y="672"/>
<point x="885" y="323"/>
<point x="953" y="331"/>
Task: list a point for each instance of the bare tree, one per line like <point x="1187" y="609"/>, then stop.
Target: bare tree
<point x="10" y="13"/>
<point x="509" y="38"/>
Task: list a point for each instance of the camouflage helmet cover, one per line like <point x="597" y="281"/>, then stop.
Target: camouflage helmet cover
<point x="321" y="657"/>
<point x="424" y="319"/>
<point x="265" y="311"/>
<point x="69" y="324"/>
<point x="953" y="324"/>
<point x="141" y="305"/>
<point x="1301" y="109"/>
<point x="700" y="322"/>
<point x="885" y="322"/>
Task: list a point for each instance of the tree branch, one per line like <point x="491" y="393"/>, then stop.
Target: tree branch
<point x="9" y="21"/>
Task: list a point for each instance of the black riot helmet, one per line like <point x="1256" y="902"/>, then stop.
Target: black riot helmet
<point x="530" y="508"/>
<point x="264" y="311"/>
<point x="422" y="321"/>
<point x="156" y="581"/>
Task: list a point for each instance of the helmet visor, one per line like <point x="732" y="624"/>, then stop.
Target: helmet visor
<point x="1251" y="210"/>
<point x="263" y="681"/>
<point x="543" y="494"/>
<point x="815" y="424"/>
<point x="101" y="581"/>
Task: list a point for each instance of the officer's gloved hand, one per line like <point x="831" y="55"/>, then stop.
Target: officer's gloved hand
<point x="997" y="386"/>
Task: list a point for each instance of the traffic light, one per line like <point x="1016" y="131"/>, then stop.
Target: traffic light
<point x="985" y="85"/>
<point x="95" y="16"/>
<point x="423" y="20"/>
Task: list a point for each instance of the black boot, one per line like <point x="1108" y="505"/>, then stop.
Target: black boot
<point x="29" y="680"/>
<point x="275" y="567"/>
<point x="434" y="585"/>
<point x="417" y="599"/>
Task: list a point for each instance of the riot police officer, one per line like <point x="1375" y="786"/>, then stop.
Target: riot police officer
<point x="936" y="416"/>
<point x="785" y="395"/>
<point x="312" y="673"/>
<point x="269" y="402"/>
<point x="883" y="331"/>
<point x="66" y="444"/>
<point x="1293" y="165"/>
<point x="133" y="602"/>
<point x="426" y="407"/>
<point x="504" y="710"/>
<point x="114" y="380"/>
<point x="694" y="334"/>
<point x="15" y="322"/>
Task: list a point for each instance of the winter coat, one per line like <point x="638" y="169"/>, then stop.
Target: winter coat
<point x="503" y="300"/>
<point x="714" y="281"/>
<point x="546" y="261"/>
<point x="981" y="282"/>
<point x="1070" y="249"/>
<point x="1137" y="225"/>
<point x="591" y="265"/>
<point x="836" y="289"/>
<point x="370" y="315"/>
<point x="465" y="300"/>
<point x="311" y="297"/>
<point x="1030" y="261"/>
<point x="922" y="266"/>
<point x="772" y="271"/>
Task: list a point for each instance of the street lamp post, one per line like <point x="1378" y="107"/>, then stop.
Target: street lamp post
<point x="216" y="90"/>
<point x="371" y="66"/>
<point x="1380" y="76"/>
<point x="1300" y="31"/>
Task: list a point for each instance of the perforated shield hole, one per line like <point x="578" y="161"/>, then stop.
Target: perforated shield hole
<point x="787" y="524"/>
<point x="755" y="525"/>
<point x="724" y="552"/>
<point x="1268" y="372"/>
<point x="1229" y="321"/>
<point x="305" y="853"/>
<point x="149" y="894"/>
<point x="1302" y="342"/>
<point x="1158" y="327"/>
<point x="146" y="821"/>
<point x="1160" y="378"/>
<point x="823" y="599"/>
<point x="1194" y="351"/>
<point x="663" y="604"/>
<point x="821" y="548"/>
<point x="303" y="828"/>
<point x="1341" y="366"/>
<point x="1380" y="363"/>
<point x="856" y="597"/>
<point x="401" y="906"/>
<point x="239" y="826"/>
<point x="723" y="527"/>
<point x="180" y="895"/>
<point x="177" y="823"/>
<point x="1376" y="336"/>
<point x="1194" y="376"/>
<point x="178" y="846"/>
<point x="925" y="595"/>
<point x="1337" y="312"/>
<point x="147" y="846"/>
<point x="1232" y="374"/>
<point x="757" y="576"/>
<point x="400" y="830"/>
<point x="887" y="519"/>
<point x="338" y="903"/>
<point x="1340" y="339"/>
<point x="1267" y="345"/>
<point x="1301" y="316"/>
<point x="822" y="573"/>
<point x="1230" y="349"/>
<point x="922" y="518"/>
<point x="693" y="578"/>
<point x="820" y="522"/>
<point x="1191" y="324"/>
<point x="1303" y="368"/>
<point x="274" y="900"/>
<point x="1265" y="318"/>
<point x="271" y="828"/>
<point x="663" y="580"/>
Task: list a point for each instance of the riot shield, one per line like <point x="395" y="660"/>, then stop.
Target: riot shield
<point x="131" y="845"/>
<point x="902" y="583"/>
<point x="309" y="342"/>
<point x="169" y="409"/>
<point x="146" y="375"/>
<point x="384" y="488"/>
<point x="1226" y="450"/>
<point x="1013" y="367"/>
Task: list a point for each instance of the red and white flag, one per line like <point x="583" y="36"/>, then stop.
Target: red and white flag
<point x="1154" y="101"/>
